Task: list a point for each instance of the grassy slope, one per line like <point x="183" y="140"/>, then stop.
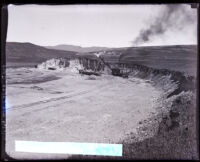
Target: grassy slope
<point x="27" y="54"/>
<point x="177" y="58"/>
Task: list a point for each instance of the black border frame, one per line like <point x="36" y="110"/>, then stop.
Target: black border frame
<point x="3" y="34"/>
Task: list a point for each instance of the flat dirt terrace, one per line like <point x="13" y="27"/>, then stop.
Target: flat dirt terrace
<point x="62" y="106"/>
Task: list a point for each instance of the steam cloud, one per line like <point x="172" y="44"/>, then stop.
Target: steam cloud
<point x="172" y="17"/>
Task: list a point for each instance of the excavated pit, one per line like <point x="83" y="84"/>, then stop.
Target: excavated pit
<point x="175" y="107"/>
<point x="173" y="130"/>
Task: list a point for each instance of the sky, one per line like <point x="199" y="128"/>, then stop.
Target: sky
<point x="99" y="25"/>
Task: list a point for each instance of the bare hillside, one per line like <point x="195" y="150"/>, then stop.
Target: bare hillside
<point x="27" y="54"/>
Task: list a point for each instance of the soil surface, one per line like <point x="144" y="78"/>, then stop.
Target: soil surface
<point x="74" y="108"/>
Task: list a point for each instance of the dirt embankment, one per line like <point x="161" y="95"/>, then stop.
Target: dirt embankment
<point x="176" y="136"/>
<point x="174" y="130"/>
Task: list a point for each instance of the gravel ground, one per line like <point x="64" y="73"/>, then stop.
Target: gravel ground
<point x="75" y="108"/>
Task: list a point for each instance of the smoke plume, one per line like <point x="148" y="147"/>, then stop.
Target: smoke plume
<point x="172" y="17"/>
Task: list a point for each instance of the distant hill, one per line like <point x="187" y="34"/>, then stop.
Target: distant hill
<point x="27" y="54"/>
<point x="175" y="57"/>
<point x="77" y="48"/>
